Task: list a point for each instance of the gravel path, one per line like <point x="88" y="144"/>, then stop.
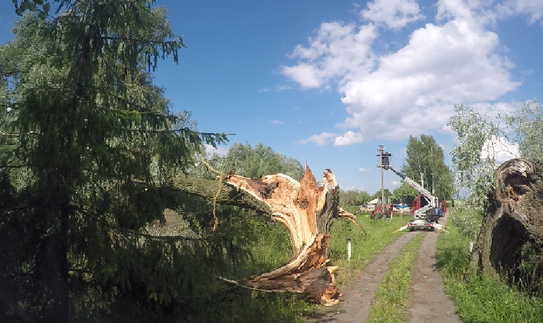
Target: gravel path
<point x="428" y="301"/>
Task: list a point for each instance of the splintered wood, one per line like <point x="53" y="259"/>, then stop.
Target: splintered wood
<point x="306" y="209"/>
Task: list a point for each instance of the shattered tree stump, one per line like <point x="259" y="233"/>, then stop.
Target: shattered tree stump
<point x="511" y="235"/>
<point x="306" y="209"/>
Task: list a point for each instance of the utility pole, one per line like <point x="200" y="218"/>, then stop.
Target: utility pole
<point x="381" y="148"/>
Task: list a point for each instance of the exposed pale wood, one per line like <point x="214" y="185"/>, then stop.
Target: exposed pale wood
<point x="305" y="208"/>
<point x="300" y="207"/>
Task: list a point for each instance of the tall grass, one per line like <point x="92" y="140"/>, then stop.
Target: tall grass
<point x="271" y="248"/>
<point x="480" y="299"/>
<point x="391" y="300"/>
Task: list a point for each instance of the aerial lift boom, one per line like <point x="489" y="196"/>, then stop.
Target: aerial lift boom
<point x="425" y="217"/>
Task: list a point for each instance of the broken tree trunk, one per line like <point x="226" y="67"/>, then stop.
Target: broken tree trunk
<point x="511" y="237"/>
<point x="306" y="209"/>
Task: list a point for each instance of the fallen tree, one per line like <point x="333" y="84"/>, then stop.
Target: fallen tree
<point x="305" y="208"/>
<point x="511" y="238"/>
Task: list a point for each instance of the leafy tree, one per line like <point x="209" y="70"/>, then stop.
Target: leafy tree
<point x="88" y="145"/>
<point x="425" y="158"/>
<point x="363" y="197"/>
<point x="404" y="193"/>
<point x="527" y="130"/>
<point x="377" y="194"/>
<point x="354" y="198"/>
<point x="254" y="162"/>
<point x="474" y="170"/>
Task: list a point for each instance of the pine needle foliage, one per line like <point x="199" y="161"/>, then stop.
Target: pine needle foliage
<point x="87" y="147"/>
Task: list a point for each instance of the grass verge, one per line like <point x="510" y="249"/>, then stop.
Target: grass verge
<point x="391" y="299"/>
<point x="272" y="249"/>
<point x="481" y="299"/>
<point x="366" y="242"/>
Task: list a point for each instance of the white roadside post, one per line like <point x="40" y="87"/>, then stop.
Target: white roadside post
<point x="349" y="249"/>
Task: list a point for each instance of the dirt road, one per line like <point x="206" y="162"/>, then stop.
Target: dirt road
<point x="428" y="300"/>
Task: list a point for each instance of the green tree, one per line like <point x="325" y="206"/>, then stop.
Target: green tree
<point x="404" y="194"/>
<point x="254" y="162"/>
<point x="473" y="170"/>
<point x="364" y="197"/>
<point x="96" y="143"/>
<point x="425" y="159"/>
<point x="353" y="198"/>
<point x="527" y="130"/>
<point x="377" y="194"/>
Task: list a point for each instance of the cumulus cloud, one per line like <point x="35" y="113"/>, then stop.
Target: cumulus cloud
<point x="320" y="140"/>
<point x="455" y="59"/>
<point x="337" y="50"/>
<point x="394" y="14"/>
<point x="500" y="149"/>
<point x="349" y="138"/>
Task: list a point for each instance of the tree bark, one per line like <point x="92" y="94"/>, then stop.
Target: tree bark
<point x="511" y="236"/>
<point x="305" y="208"/>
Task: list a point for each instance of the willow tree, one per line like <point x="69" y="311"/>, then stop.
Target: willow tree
<point x="510" y="195"/>
<point x="90" y="142"/>
<point x="527" y="131"/>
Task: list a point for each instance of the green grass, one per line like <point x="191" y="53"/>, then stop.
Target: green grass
<point x="481" y="299"/>
<point x="391" y="300"/>
<point x="272" y="248"/>
<point x="366" y="242"/>
<point x="242" y="305"/>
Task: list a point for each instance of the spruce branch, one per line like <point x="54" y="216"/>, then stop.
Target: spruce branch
<point x="130" y="232"/>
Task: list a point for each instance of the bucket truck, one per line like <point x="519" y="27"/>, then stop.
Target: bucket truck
<point x="426" y="210"/>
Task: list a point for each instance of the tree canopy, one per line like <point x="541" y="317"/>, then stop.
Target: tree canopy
<point x="354" y="198"/>
<point x="481" y="137"/>
<point x="527" y="130"/>
<point x="254" y="162"/>
<point x="88" y="144"/>
<point x="425" y="163"/>
<point x="404" y="194"/>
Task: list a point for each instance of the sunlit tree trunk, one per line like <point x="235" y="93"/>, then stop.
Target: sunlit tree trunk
<point x="511" y="237"/>
<point x="305" y="208"/>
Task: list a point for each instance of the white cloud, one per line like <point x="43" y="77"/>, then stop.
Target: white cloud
<point x="349" y="138"/>
<point x="277" y="122"/>
<point x="337" y="50"/>
<point x="277" y="88"/>
<point x="394" y="14"/>
<point x="410" y="91"/>
<point x="395" y="183"/>
<point x="500" y="149"/>
<point x="363" y="170"/>
<point x="532" y="9"/>
<point x="306" y="75"/>
<point x="320" y="140"/>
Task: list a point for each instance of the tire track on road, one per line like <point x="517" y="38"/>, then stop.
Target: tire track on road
<point x="356" y="303"/>
<point x="428" y="301"/>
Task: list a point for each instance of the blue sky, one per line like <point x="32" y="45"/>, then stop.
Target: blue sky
<point x="327" y="81"/>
